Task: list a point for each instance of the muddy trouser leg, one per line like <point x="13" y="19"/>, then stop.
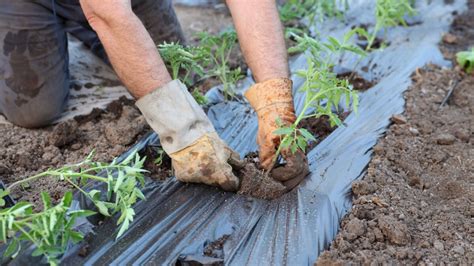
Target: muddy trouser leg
<point x="33" y="64"/>
<point x="159" y="19"/>
<point x="157" y="16"/>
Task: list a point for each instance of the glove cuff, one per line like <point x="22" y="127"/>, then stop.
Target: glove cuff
<point x="174" y="114"/>
<point x="270" y="92"/>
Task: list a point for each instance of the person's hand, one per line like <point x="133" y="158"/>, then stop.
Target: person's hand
<point x="272" y="100"/>
<point x="210" y="161"/>
<point x="188" y="137"/>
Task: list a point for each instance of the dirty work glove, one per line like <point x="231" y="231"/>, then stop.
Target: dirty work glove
<point x="273" y="99"/>
<point x="198" y="154"/>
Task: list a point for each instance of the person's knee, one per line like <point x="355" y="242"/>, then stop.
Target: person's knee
<point x="33" y="116"/>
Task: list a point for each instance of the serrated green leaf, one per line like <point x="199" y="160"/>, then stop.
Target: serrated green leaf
<point x="67" y="199"/>
<point x="13" y="249"/>
<point x="306" y="134"/>
<point x="46" y="200"/>
<point x="283" y="131"/>
<point x="76" y="237"/>
<point x="102" y="208"/>
<point x="301" y="143"/>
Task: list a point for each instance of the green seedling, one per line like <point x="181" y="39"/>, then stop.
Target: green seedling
<point x="466" y="60"/>
<point x="51" y="229"/>
<point x="322" y="88"/>
<point x="188" y="61"/>
<point x="181" y="58"/>
<point x="159" y="157"/>
<point x="218" y="49"/>
<point x="310" y="10"/>
<point x="200" y="98"/>
<point x="388" y="13"/>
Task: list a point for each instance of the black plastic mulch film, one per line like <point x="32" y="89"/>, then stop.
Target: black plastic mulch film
<point x="177" y="221"/>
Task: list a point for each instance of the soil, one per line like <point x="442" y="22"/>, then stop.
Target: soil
<point x="110" y="132"/>
<point x="415" y="204"/>
<point x="215" y="249"/>
<point x="358" y="82"/>
<point x="159" y="171"/>
<point x="258" y="183"/>
<point x="211" y="20"/>
<point x="26" y="152"/>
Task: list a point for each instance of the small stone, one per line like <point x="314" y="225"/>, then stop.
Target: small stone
<point x="462" y="134"/>
<point x="362" y="187"/>
<point x="395" y="231"/>
<point x="378" y="235"/>
<point x="401" y="254"/>
<point x="414" y="131"/>
<point x="401" y="216"/>
<point x="414" y="180"/>
<point x="445" y="139"/>
<point x="424" y="244"/>
<point x="438" y="245"/>
<point x="76" y="146"/>
<point x="378" y="149"/>
<point x="450" y="38"/>
<point x="399" y="119"/>
<point x="458" y="249"/>
<point x="356" y="227"/>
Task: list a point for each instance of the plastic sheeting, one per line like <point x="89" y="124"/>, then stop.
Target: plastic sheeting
<point x="177" y="221"/>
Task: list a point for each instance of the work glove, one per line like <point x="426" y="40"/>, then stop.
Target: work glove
<point x="198" y="154"/>
<point x="272" y="100"/>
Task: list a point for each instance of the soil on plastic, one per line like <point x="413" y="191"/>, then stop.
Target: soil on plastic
<point x="26" y="152"/>
<point x="215" y="248"/>
<point x="157" y="171"/>
<point x="258" y="183"/>
<point x="358" y="82"/>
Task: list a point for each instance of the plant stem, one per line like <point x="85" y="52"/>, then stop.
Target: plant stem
<point x="55" y="173"/>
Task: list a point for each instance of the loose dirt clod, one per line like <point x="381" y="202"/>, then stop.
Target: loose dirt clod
<point x="63" y="133"/>
<point x="258" y="184"/>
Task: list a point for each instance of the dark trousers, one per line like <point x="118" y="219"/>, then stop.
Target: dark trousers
<point x="34" y="76"/>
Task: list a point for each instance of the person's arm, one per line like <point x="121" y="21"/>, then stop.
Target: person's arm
<point x="129" y="47"/>
<point x="261" y="38"/>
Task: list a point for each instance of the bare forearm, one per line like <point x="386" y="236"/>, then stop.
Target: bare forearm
<point x="130" y="49"/>
<point x="261" y="37"/>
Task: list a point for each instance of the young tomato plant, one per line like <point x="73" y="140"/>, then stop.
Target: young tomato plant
<point x="322" y="88"/>
<point x="185" y="62"/>
<point x="466" y="60"/>
<point x="388" y="13"/>
<point x="51" y="229"/>
<point x="310" y="10"/>
<point x="218" y="49"/>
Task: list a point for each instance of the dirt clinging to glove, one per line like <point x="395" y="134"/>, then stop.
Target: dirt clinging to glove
<point x="259" y="184"/>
